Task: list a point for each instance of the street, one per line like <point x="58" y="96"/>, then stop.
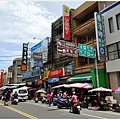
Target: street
<point x="32" y="110"/>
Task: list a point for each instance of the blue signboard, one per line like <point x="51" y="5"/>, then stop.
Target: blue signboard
<point x="30" y="74"/>
<point x="39" y="53"/>
<point x="52" y="80"/>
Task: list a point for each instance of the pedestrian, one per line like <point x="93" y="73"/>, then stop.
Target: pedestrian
<point x="49" y="97"/>
<point x="6" y="98"/>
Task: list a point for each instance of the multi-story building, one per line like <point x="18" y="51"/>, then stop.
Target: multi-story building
<point x="111" y="17"/>
<point x="16" y="72"/>
<point x="9" y="76"/>
<point x="84" y="33"/>
<point x="57" y="60"/>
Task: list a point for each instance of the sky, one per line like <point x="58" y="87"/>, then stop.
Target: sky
<point x="21" y="21"/>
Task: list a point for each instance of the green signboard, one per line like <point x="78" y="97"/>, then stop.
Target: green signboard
<point x="86" y="50"/>
<point x="100" y="37"/>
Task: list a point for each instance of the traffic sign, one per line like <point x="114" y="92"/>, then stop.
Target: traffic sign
<point x="86" y="50"/>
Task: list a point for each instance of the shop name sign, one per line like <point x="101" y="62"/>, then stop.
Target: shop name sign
<point x="25" y="53"/>
<point x="67" y="48"/>
<point x="56" y="73"/>
<point x="100" y="36"/>
<point x="86" y="50"/>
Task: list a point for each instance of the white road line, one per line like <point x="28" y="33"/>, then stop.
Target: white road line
<point x="93" y="116"/>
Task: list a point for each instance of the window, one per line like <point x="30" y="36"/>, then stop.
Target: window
<point x="114" y="51"/>
<point x="91" y="36"/>
<point x="118" y="21"/>
<point x="111" y="28"/>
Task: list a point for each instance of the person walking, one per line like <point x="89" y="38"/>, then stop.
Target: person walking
<point x="49" y="97"/>
<point x="6" y="98"/>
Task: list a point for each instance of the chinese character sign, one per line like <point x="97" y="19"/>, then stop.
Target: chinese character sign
<point x="86" y="50"/>
<point x="66" y="22"/>
<point x="25" y="53"/>
<point x="100" y="36"/>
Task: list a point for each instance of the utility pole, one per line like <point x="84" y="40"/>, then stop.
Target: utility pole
<point x="96" y="68"/>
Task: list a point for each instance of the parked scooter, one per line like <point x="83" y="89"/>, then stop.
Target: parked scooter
<point x="44" y="100"/>
<point x="63" y="102"/>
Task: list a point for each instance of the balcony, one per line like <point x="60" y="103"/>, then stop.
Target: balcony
<point x="83" y="28"/>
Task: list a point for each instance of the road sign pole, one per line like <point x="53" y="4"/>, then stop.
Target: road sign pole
<point x="96" y="68"/>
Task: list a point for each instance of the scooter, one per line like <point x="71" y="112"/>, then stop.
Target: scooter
<point x="76" y="109"/>
<point x="63" y="102"/>
<point x="15" y="101"/>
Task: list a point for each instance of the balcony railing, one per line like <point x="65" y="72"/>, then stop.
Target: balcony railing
<point x="84" y="26"/>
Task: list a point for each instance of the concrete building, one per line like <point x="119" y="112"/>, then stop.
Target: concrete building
<point x="84" y="33"/>
<point x="111" y="16"/>
<point x="16" y="72"/>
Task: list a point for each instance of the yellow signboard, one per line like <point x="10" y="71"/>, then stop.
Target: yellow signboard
<point x="46" y="73"/>
<point x="65" y="10"/>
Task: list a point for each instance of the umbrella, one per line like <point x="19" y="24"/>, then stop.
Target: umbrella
<point x="42" y="91"/>
<point x="3" y="88"/>
<point x="100" y="89"/>
<point x="117" y="90"/>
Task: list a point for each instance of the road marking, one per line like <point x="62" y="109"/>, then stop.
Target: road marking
<point x="20" y="112"/>
<point x="93" y="116"/>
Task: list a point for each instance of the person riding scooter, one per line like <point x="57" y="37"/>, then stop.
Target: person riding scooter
<point x="73" y="101"/>
<point x="15" y="96"/>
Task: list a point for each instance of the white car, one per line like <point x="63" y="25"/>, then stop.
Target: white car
<point x="22" y="93"/>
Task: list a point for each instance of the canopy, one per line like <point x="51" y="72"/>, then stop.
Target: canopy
<point x="81" y="85"/>
<point x="42" y="91"/>
<point x="100" y="89"/>
<point x="80" y="77"/>
<point x="58" y="86"/>
<point x="117" y="90"/>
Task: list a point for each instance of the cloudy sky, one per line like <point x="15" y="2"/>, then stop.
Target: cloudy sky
<point x="21" y="21"/>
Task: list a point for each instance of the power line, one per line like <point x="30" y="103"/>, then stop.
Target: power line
<point x="11" y="56"/>
<point x="6" y="60"/>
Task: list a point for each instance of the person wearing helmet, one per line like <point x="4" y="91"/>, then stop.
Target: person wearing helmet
<point x="73" y="101"/>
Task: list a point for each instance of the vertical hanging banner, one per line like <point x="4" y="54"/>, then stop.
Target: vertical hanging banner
<point x="25" y="53"/>
<point x="1" y="77"/>
<point x="66" y="22"/>
<point x="100" y="36"/>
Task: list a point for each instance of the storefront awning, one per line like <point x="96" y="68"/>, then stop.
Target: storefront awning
<point x="80" y="77"/>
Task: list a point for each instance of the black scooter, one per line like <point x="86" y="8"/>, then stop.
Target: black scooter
<point x="63" y="102"/>
<point x="76" y="109"/>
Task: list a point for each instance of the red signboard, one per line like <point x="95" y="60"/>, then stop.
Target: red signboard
<point x="1" y="76"/>
<point x="67" y="48"/>
<point x="66" y="27"/>
<point x="56" y="73"/>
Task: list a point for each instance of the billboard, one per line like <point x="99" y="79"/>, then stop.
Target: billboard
<point x="66" y="22"/>
<point x="67" y="48"/>
<point x="39" y="53"/>
<point x="100" y="36"/>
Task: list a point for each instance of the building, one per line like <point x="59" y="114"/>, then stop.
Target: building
<point x="57" y="60"/>
<point x="84" y="33"/>
<point x="111" y="16"/>
<point x="16" y="72"/>
<point x="9" y="77"/>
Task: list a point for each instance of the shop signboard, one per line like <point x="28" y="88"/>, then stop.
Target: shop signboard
<point x="30" y="74"/>
<point x="66" y="22"/>
<point x="100" y="36"/>
<point x="86" y="50"/>
<point x="25" y="53"/>
<point x="52" y="80"/>
<point x="67" y="48"/>
<point x="56" y="73"/>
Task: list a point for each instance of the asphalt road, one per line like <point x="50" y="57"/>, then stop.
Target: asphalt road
<point x="32" y="110"/>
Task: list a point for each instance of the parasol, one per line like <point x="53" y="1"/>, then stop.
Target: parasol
<point x="100" y="89"/>
<point x="117" y="90"/>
